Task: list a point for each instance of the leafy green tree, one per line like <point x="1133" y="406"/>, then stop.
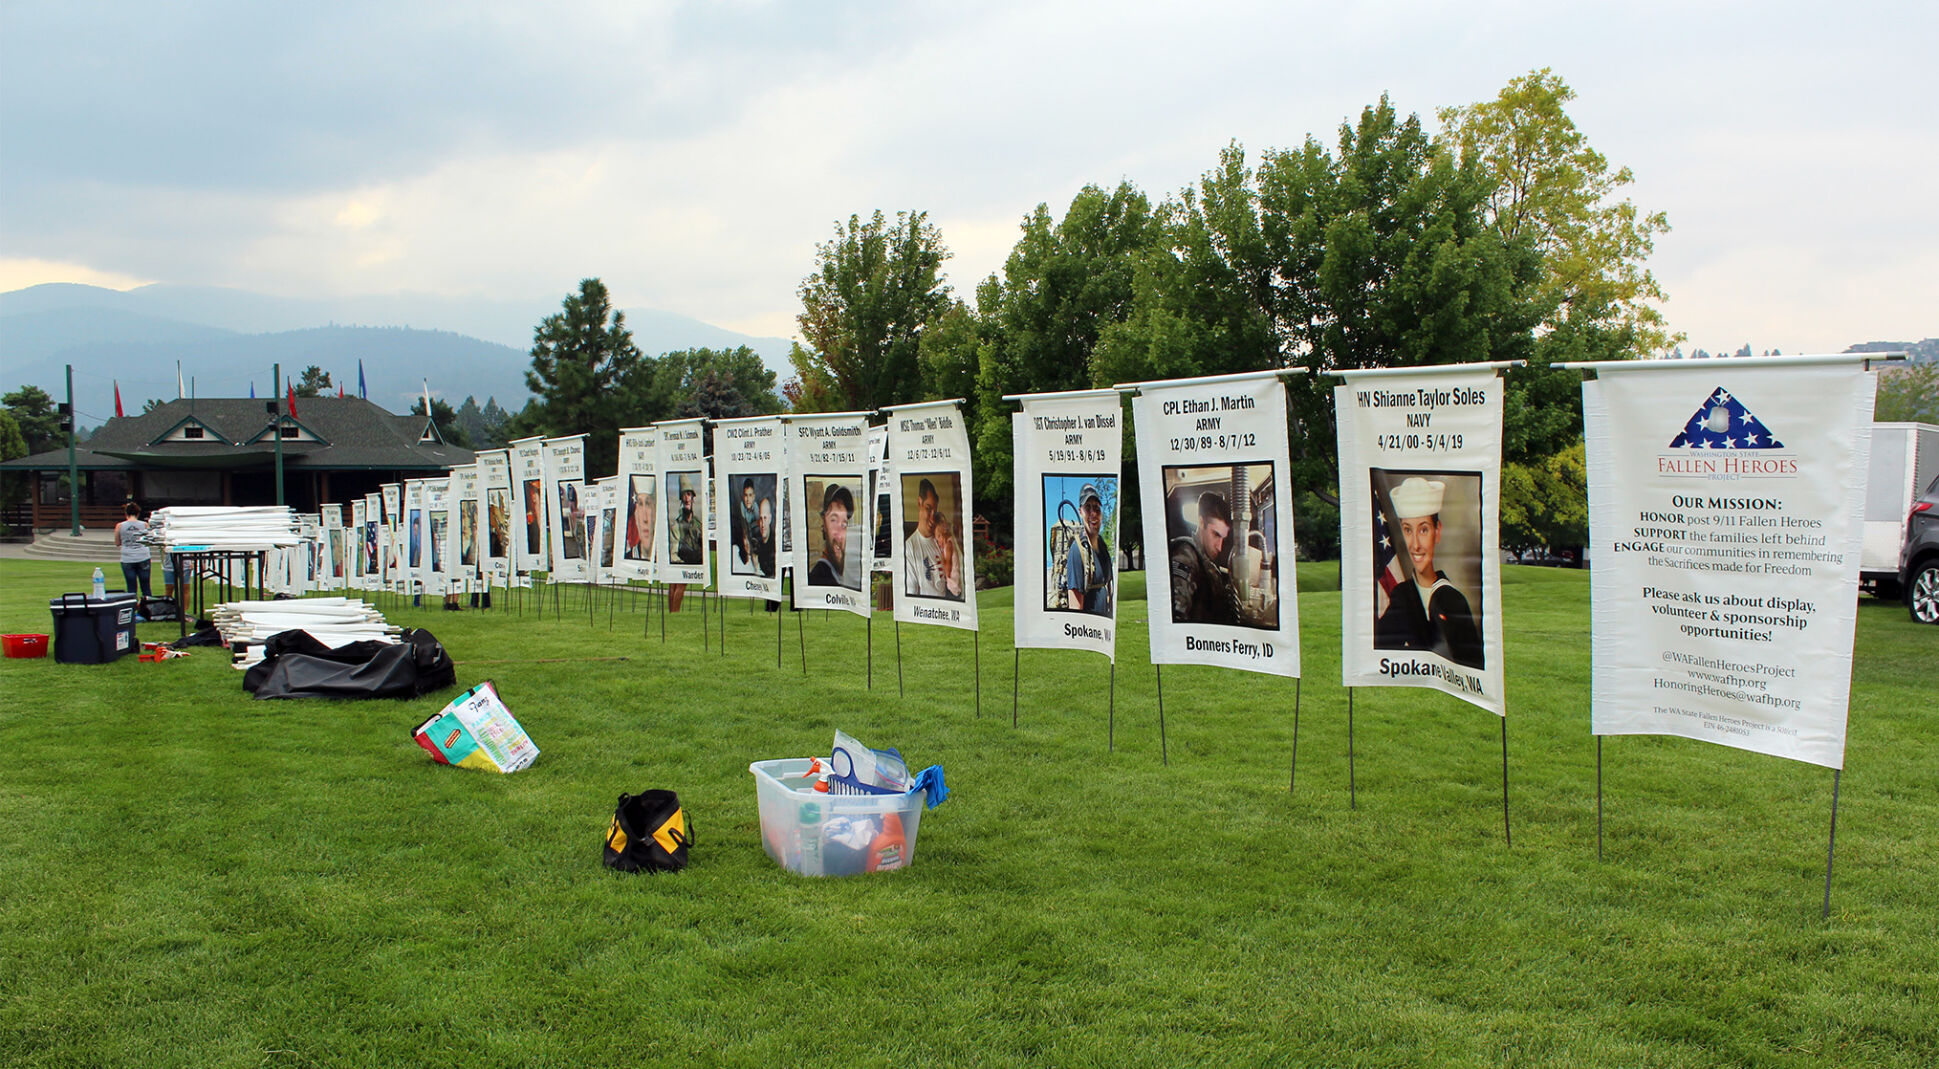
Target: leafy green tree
<point x="315" y="382"/>
<point x="1908" y="393"/>
<point x="876" y="287"/>
<point x="586" y="376"/>
<point x="678" y="376"/>
<point x="33" y="410"/>
<point x="13" y="446"/>
<point x="1551" y="187"/>
<point x="1546" y="503"/>
<point x="446" y="418"/>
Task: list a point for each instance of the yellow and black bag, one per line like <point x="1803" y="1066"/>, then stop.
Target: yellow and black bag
<point x="650" y="832"/>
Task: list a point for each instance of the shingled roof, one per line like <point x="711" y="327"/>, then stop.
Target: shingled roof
<point x="337" y="434"/>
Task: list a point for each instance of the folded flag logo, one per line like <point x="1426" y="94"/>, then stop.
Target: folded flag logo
<point x="1722" y="422"/>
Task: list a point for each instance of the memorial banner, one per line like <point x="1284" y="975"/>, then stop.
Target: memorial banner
<point x="437" y="563"/>
<point x="1726" y="518"/>
<point x="682" y="467"/>
<point x="828" y="463"/>
<point x="336" y="549"/>
<point x="465" y="525"/>
<point x="415" y="558"/>
<point x="750" y="457"/>
<point x="638" y="447"/>
<point x="1212" y="480"/>
<point x="373" y="542"/>
<point x="392" y="535"/>
<point x="359" y="557"/>
<point x="607" y="492"/>
<point x="495" y="518"/>
<point x="1069" y="448"/>
<point x="1420" y="494"/>
<point x="926" y="471"/>
<point x="565" y="486"/>
<point x="878" y="496"/>
<point x="530" y="547"/>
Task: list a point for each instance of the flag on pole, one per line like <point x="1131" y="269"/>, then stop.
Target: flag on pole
<point x="252" y="389"/>
<point x="339" y="391"/>
<point x="292" y="389"/>
<point x="117" y="399"/>
<point x="361" y="392"/>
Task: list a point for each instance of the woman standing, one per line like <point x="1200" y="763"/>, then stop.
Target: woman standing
<point x="134" y="552"/>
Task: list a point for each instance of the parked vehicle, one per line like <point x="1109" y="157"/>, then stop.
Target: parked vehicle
<point x="1905" y="459"/>
<point x="1919" y="559"/>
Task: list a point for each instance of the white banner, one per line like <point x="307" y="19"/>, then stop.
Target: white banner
<point x="638" y="448"/>
<point x="356" y="559"/>
<point x="1069" y="450"/>
<point x="1212" y="460"/>
<point x="880" y="553"/>
<point x="391" y="536"/>
<point x="530" y="551"/>
<point x="927" y="475"/>
<point x="435" y="572"/>
<point x="336" y="549"/>
<point x="1726" y="518"/>
<point x="1420" y="495"/>
<point x="414" y="559"/>
<point x="495" y="517"/>
<point x="828" y="464"/>
<point x="370" y="545"/>
<point x="565" y="505"/>
<point x="750" y="456"/>
<point x="465" y="525"/>
<point x="606" y="544"/>
<point x="682" y="466"/>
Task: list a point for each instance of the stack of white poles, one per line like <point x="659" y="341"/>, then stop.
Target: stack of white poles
<point x="332" y="621"/>
<point x="185" y="527"/>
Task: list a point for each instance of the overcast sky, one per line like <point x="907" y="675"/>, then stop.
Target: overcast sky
<point x="692" y="154"/>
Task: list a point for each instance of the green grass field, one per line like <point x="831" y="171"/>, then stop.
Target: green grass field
<point x="192" y="878"/>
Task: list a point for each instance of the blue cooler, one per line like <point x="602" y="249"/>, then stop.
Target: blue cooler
<point x="90" y="630"/>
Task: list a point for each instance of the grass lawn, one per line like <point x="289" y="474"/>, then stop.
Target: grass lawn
<point x="192" y="878"/>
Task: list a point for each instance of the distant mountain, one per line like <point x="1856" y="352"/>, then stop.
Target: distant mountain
<point x="228" y="338"/>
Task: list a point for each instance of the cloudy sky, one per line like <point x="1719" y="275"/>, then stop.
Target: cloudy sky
<point x="692" y="154"/>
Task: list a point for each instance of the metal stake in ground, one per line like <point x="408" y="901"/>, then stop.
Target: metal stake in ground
<point x="898" y="658"/>
<point x="1507" y="838"/>
<point x="1016" y="673"/>
<point x="1294" y="775"/>
<point x="1111" y="733"/>
<point x="1832" y="842"/>
<point x="871" y="645"/>
<point x="977" y="637"/>
<point x="1598" y="797"/>
<point x="1163" y="750"/>
<point x="1353" y="792"/>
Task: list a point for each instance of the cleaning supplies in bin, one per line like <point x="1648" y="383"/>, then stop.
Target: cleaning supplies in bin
<point x="857" y="810"/>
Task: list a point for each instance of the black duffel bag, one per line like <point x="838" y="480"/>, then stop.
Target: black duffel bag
<point x="650" y="832"/>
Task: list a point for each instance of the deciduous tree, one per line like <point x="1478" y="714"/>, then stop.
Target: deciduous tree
<point x="876" y="287"/>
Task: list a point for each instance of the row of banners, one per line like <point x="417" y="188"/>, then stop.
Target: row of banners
<point x="1725" y="522"/>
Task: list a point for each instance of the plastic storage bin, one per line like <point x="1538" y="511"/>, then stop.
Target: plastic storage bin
<point x="90" y="630"/>
<point x="816" y="834"/>
<point x="24" y="645"/>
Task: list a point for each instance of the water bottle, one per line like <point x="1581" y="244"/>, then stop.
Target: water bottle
<point x="100" y="584"/>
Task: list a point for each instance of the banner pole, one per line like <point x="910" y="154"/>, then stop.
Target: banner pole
<point x="1598" y="798"/>
<point x="612" y="605"/>
<point x="1293" y="777"/>
<point x="1111" y="731"/>
<point x="706" y="629"/>
<point x="871" y="648"/>
<point x="898" y="658"/>
<point x="1353" y="790"/>
<point x="592" y="596"/>
<point x="977" y="639"/>
<point x="723" y="626"/>
<point x="1507" y="838"/>
<point x="801" y="633"/>
<point x="779" y="624"/>
<point x="664" y="588"/>
<point x="1016" y="670"/>
<point x="1832" y="842"/>
<point x="1163" y="749"/>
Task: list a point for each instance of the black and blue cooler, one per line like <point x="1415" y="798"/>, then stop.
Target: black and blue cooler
<point x="90" y="630"/>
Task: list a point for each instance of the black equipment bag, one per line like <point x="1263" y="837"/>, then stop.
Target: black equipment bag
<point x="649" y="832"/>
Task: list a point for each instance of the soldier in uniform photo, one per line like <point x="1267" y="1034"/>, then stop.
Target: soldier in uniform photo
<point x="1427" y="614"/>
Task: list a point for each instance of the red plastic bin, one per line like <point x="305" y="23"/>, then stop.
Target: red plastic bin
<point x="24" y="645"/>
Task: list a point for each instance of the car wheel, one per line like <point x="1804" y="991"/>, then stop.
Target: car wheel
<point x="1923" y="595"/>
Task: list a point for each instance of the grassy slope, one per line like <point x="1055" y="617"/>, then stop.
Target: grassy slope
<point x="188" y="877"/>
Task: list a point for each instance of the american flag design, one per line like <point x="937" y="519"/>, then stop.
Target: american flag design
<point x="1387" y="575"/>
<point x="1722" y="422"/>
